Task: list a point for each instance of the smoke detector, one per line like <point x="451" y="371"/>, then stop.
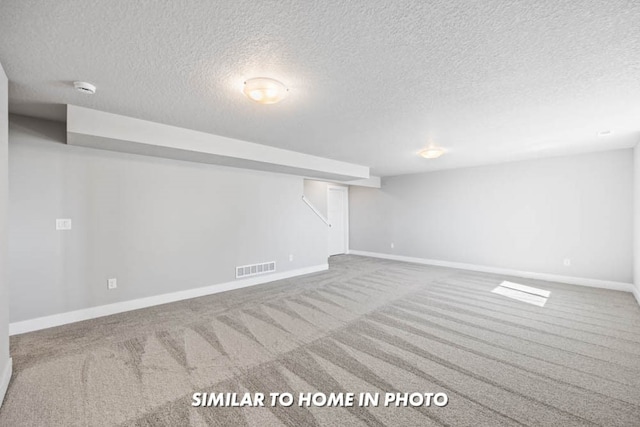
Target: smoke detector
<point x="85" y="87"/>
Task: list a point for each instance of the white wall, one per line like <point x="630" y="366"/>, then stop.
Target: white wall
<point x="5" y="361"/>
<point x="157" y="225"/>
<point x="526" y="216"/>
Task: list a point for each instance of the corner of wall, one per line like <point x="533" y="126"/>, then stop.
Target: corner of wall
<point x="636" y="222"/>
<point x="636" y="293"/>
<point x="5" y="378"/>
<point x="5" y="360"/>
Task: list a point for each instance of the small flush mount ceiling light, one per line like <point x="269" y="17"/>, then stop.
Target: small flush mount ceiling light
<point x="431" y="152"/>
<point x="264" y="90"/>
<point x="84" y="87"/>
<point x="605" y="133"/>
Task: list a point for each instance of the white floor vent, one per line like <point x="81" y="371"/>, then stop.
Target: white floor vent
<point x="255" y="269"/>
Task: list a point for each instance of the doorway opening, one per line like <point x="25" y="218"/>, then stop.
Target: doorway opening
<point x="330" y="201"/>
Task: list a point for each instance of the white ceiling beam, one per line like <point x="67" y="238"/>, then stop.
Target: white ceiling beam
<point x="98" y="129"/>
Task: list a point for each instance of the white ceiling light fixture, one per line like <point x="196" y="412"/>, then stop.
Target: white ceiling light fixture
<point x="605" y="133"/>
<point x="84" y="87"/>
<point x="264" y="90"/>
<point x="431" y="152"/>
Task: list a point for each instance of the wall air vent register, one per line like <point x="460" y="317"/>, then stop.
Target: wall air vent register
<point x="255" y="269"/>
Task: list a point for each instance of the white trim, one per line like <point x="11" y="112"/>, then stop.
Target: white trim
<point x="316" y="211"/>
<point x="98" y="129"/>
<point x="636" y="293"/>
<point x="4" y="380"/>
<point x="594" y="283"/>
<point x="120" y="307"/>
<point x="371" y="182"/>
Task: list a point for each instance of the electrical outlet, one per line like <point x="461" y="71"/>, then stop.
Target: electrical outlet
<point x="290" y="257"/>
<point x="112" y="283"/>
<point x="63" y="224"/>
<point x="393" y="245"/>
<point x="567" y="262"/>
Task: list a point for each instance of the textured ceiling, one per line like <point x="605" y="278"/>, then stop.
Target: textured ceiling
<point x="371" y="82"/>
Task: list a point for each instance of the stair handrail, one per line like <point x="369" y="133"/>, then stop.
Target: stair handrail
<point x="316" y="211"/>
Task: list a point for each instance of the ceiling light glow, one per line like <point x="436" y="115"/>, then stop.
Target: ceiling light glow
<point x="432" y="152"/>
<point x="265" y="90"/>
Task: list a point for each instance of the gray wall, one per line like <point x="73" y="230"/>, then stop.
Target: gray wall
<point x="526" y="216"/>
<point x="4" y="291"/>
<point x="316" y="193"/>
<point x="157" y="225"/>
<point x="636" y="218"/>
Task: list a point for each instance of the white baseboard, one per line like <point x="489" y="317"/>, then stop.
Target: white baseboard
<point x="594" y="283"/>
<point x="636" y="293"/>
<point x="120" y="307"/>
<point x="4" y="380"/>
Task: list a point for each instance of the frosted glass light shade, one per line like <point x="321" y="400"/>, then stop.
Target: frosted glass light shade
<point x="264" y="90"/>
<point x="431" y="153"/>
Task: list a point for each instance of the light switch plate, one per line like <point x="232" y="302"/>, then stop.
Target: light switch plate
<point x="63" y="224"/>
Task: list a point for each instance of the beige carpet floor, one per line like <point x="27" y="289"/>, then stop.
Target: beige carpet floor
<point x="365" y="325"/>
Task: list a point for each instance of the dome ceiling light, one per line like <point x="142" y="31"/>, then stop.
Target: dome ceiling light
<point x="431" y="152"/>
<point x="264" y="90"/>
